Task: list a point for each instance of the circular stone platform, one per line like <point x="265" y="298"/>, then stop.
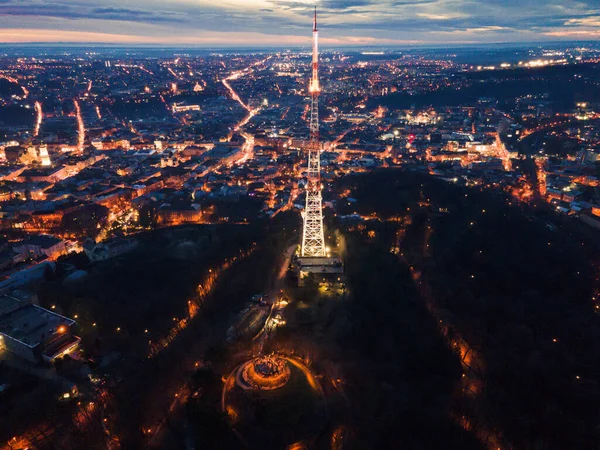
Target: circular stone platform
<point x="264" y="373"/>
<point x="274" y="401"/>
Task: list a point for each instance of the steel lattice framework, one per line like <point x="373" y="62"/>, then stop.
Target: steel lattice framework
<point x="313" y="237"/>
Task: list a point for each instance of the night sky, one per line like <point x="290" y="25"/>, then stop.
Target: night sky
<point x="287" y="22"/>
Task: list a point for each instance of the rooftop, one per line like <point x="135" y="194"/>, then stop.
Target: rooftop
<point x="29" y="324"/>
<point x="42" y="240"/>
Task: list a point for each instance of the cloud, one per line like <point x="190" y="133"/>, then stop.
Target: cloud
<point x="580" y="34"/>
<point x="282" y="21"/>
<point x="430" y="16"/>
<point x="72" y="10"/>
<point x="591" y="21"/>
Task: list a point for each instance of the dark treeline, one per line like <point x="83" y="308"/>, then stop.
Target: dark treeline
<point x="388" y="374"/>
<point x="202" y="422"/>
<point x="558" y="82"/>
<point x="16" y="116"/>
<point x="401" y="373"/>
<point x="148" y="287"/>
<point x="517" y="284"/>
<point x="140" y="394"/>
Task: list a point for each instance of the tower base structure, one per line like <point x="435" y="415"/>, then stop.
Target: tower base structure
<point x="328" y="270"/>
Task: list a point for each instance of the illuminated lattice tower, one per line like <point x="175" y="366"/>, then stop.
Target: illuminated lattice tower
<point x="313" y="237"/>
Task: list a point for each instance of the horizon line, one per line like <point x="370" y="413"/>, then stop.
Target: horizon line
<point x="276" y="46"/>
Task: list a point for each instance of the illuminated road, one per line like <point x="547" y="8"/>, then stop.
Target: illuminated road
<point x="80" y="127"/>
<point x="274" y="320"/>
<point x="234" y="95"/>
<point x="503" y="153"/>
<point x="239" y="74"/>
<point x="559" y="121"/>
<point x="38" y="119"/>
<point x="14" y="80"/>
<point x="172" y="72"/>
<point x="248" y="148"/>
<point x="290" y="203"/>
<point x="541" y="177"/>
<point x="336" y="142"/>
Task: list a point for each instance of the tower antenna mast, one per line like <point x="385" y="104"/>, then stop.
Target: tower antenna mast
<point x="313" y="237"/>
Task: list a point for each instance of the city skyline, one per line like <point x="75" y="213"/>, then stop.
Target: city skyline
<point x="214" y="238"/>
<point x="280" y="23"/>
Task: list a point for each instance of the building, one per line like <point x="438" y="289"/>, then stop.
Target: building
<point x="44" y="156"/>
<point x="169" y="216"/>
<point x="226" y="154"/>
<point x="102" y="251"/>
<point x="47" y="174"/>
<point x="184" y="108"/>
<point x="41" y="246"/>
<point x="32" y="332"/>
<point x="328" y="271"/>
<point x="168" y="159"/>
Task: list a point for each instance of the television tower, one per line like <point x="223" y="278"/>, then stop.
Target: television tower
<point x="313" y="237"/>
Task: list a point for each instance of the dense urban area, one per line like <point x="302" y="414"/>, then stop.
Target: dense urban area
<point x="151" y="207"/>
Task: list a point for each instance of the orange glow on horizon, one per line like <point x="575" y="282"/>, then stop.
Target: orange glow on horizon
<point x="24" y="35"/>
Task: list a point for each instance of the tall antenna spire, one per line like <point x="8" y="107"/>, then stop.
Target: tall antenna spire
<point x="314" y="83"/>
<point x="313" y="237"/>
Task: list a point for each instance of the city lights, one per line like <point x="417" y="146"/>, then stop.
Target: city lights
<point x="379" y="230"/>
